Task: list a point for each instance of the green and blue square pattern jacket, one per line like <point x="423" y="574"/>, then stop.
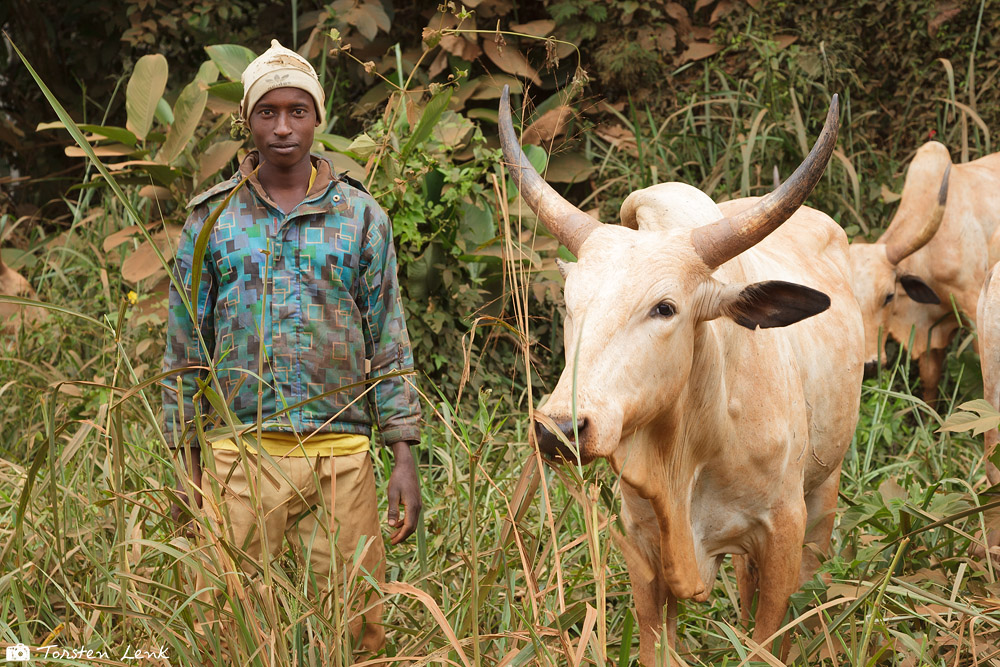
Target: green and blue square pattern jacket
<point x="315" y="291"/>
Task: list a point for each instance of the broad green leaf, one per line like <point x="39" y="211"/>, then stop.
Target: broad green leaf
<point x="164" y="114"/>
<point x="231" y="59"/>
<point x="477" y="225"/>
<point x="481" y="113"/>
<point x="187" y="113"/>
<point x="970" y="421"/>
<point x="229" y="91"/>
<point x="208" y="73"/>
<point x="432" y="113"/>
<point x="536" y="156"/>
<point x="119" y="134"/>
<point x="334" y="142"/>
<point x="145" y="88"/>
<point x="980" y="406"/>
<point x="362" y="146"/>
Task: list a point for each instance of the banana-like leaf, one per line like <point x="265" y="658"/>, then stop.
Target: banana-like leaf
<point x="145" y="88"/>
<point x="188" y="110"/>
<point x="119" y="134"/>
<point x="231" y="59"/>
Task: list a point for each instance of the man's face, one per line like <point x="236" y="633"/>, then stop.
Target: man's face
<point x="282" y="124"/>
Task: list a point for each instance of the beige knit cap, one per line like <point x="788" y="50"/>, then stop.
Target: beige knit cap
<point x="279" y="67"/>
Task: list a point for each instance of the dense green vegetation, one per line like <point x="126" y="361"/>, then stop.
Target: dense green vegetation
<point x="717" y="94"/>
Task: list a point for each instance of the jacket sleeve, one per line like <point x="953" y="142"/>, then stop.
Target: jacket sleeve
<point x="387" y="343"/>
<point x="183" y="351"/>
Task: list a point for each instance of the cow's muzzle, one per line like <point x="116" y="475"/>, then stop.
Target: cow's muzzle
<point x="871" y="369"/>
<point x="554" y="445"/>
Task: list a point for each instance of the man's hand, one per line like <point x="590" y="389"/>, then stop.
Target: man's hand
<point x="193" y="468"/>
<point x="404" y="485"/>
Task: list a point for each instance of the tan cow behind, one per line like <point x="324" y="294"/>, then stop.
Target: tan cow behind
<point x="728" y="438"/>
<point x="930" y="268"/>
<point x="14" y="316"/>
<point x="988" y="329"/>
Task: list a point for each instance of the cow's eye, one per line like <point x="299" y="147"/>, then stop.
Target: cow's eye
<point x="664" y="309"/>
<point x="888" y="297"/>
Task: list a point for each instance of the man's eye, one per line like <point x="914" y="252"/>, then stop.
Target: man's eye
<point x="888" y="297"/>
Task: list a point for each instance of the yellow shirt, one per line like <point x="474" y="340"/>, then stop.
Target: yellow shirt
<point x="279" y="444"/>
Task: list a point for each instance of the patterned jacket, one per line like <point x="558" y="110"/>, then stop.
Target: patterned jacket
<point x="314" y="290"/>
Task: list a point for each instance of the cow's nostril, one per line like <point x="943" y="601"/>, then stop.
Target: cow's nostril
<point x="555" y="443"/>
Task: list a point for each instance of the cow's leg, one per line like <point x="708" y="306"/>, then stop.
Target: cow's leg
<point x="650" y="596"/>
<point x="746" y="583"/>
<point x="931" y="365"/>
<point x="821" y="510"/>
<point x="779" y="568"/>
<point x="993" y="475"/>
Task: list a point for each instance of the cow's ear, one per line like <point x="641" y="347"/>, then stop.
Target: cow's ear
<point x="774" y="303"/>
<point x="918" y="290"/>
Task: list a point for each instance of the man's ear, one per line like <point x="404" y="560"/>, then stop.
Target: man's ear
<point x="771" y="303"/>
<point x="918" y="290"/>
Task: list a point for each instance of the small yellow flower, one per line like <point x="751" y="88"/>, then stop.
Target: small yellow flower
<point x="133" y="298"/>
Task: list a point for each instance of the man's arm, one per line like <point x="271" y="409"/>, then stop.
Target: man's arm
<point x="184" y="350"/>
<point x="404" y="486"/>
<point x="387" y="347"/>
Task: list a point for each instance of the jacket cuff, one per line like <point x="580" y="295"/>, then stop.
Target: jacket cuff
<point x="407" y="432"/>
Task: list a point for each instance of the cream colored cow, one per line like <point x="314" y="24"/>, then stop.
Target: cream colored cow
<point x="931" y="269"/>
<point x="714" y="358"/>
<point x="988" y="329"/>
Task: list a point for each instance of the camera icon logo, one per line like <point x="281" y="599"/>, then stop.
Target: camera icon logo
<point x="18" y="653"/>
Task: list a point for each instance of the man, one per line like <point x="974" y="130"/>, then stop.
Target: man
<point x="298" y="308"/>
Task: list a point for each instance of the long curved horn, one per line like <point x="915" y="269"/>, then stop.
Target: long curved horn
<point x="897" y="251"/>
<point x="724" y="239"/>
<point x="566" y="222"/>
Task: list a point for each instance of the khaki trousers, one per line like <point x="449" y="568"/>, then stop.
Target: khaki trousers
<point x="297" y="503"/>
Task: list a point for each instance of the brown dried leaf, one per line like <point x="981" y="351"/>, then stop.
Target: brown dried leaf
<point x="699" y="51"/>
<point x="945" y="11"/>
<point x="552" y="124"/>
<point x="723" y="8"/>
<point x="676" y="11"/>
<point x="702" y="33"/>
<point x="155" y="192"/>
<point x="438" y="65"/>
<point x="216" y="157"/>
<point x="784" y="41"/>
<point x="510" y="60"/>
<point x="666" y="39"/>
<point x="143" y="263"/>
<point x="619" y="136"/>
<point x="539" y="28"/>
<point x="461" y="47"/>
<point x="111" y="150"/>
<point x="702" y="3"/>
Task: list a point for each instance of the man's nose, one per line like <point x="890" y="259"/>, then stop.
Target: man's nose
<point x="283" y="127"/>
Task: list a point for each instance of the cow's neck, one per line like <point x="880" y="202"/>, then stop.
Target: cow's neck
<point x="662" y="460"/>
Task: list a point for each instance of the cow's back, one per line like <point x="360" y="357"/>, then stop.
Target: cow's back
<point x="954" y="262"/>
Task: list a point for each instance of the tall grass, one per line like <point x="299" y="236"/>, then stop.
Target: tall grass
<point x="514" y="561"/>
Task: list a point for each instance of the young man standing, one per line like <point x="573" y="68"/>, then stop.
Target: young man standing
<point x="298" y="307"/>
